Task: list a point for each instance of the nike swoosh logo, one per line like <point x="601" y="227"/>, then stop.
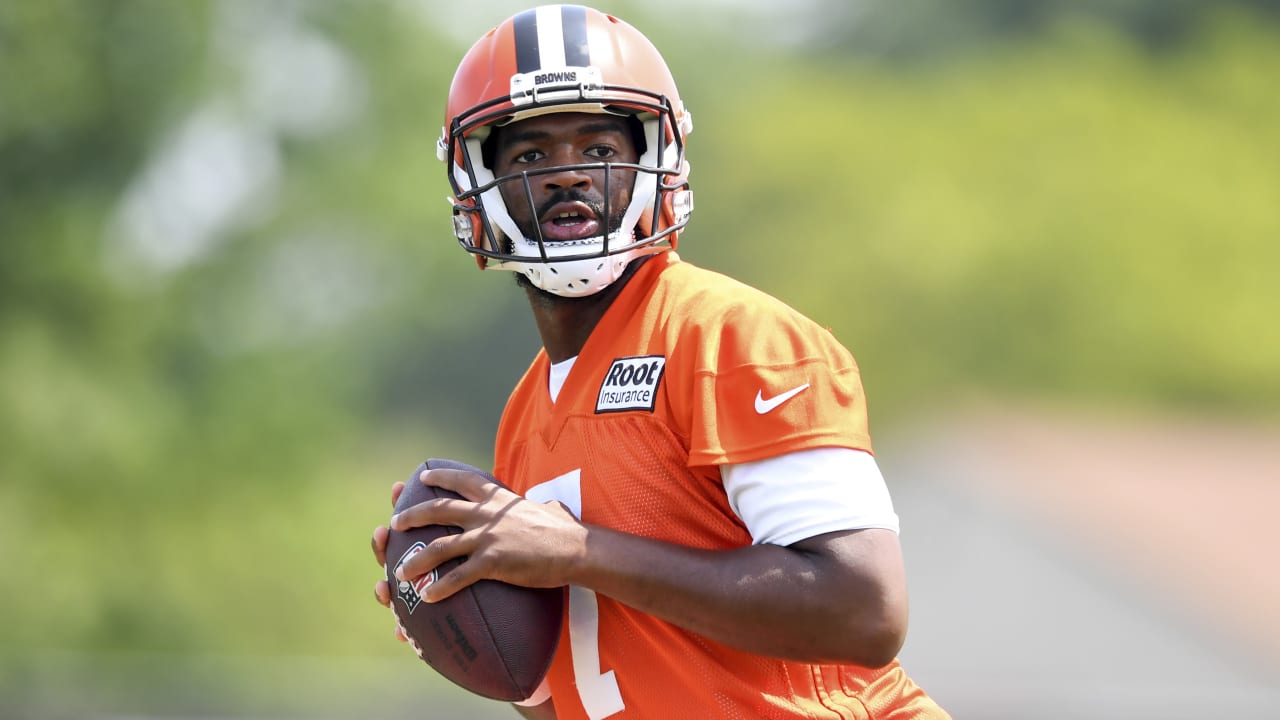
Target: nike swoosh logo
<point x="763" y="406"/>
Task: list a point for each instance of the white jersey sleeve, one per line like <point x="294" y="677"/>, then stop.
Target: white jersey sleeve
<point x="788" y="498"/>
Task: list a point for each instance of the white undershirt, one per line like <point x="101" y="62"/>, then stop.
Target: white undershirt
<point x="801" y="494"/>
<point x="559" y="371"/>
<point x="797" y="495"/>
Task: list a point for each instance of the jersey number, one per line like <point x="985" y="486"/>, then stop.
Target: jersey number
<point x="598" y="691"/>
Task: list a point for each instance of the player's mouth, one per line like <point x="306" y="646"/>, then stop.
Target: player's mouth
<point x="569" y="221"/>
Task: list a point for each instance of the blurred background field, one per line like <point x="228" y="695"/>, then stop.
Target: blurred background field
<point x="232" y="313"/>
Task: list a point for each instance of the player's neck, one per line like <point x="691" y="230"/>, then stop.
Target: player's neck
<point x="564" y="324"/>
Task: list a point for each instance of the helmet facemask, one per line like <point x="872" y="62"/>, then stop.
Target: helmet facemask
<point x="485" y="224"/>
<point x="565" y="59"/>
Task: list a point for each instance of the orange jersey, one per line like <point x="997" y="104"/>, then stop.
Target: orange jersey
<point x="686" y="371"/>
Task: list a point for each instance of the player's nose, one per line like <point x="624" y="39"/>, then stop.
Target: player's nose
<point x="567" y="176"/>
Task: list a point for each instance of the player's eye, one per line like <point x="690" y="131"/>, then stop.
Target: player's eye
<point x="529" y="156"/>
<point x="601" y="152"/>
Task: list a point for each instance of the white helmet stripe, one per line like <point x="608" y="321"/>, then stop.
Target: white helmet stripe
<point x="550" y="37"/>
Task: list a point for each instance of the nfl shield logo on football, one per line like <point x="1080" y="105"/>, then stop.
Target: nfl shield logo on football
<point x="410" y="591"/>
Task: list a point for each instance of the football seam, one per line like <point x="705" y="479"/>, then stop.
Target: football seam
<point x="488" y="627"/>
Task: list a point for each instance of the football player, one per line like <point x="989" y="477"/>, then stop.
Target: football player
<point x="688" y="454"/>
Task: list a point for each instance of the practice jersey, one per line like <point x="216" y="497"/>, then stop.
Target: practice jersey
<point x="686" y="371"/>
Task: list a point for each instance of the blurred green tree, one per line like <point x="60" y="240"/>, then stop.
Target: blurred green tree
<point x="921" y="30"/>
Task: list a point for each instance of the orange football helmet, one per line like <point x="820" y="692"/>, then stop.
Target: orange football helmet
<point x="566" y="58"/>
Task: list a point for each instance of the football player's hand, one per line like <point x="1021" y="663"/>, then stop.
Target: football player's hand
<point x="381" y="589"/>
<point x="504" y="536"/>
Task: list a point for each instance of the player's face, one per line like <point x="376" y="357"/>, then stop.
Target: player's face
<point x="567" y="204"/>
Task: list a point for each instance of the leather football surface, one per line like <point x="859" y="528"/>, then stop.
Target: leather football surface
<point x="492" y="638"/>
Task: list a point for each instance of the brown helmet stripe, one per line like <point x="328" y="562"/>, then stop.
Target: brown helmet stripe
<point x="526" y="36"/>
<point x="573" y="20"/>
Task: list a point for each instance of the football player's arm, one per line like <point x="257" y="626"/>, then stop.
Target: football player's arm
<point x="824" y="580"/>
<point x="839" y="597"/>
<point x="836" y="596"/>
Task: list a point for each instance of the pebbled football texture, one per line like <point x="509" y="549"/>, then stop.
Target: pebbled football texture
<point x="492" y="638"/>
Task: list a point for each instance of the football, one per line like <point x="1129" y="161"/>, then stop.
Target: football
<point x="493" y="639"/>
